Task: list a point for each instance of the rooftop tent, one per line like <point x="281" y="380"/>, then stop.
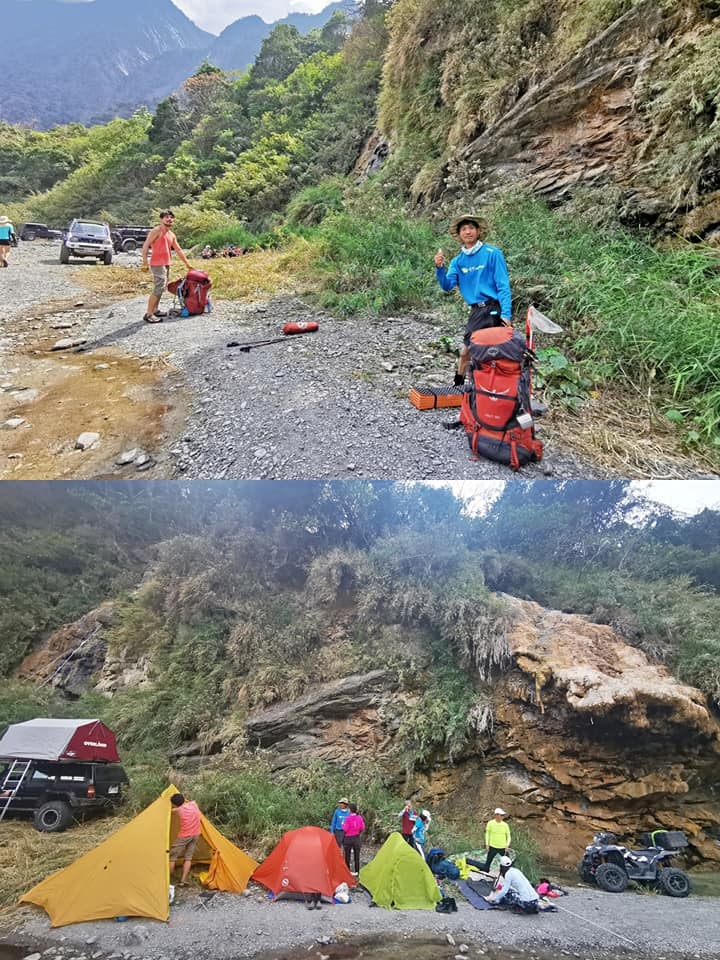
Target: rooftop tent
<point x="307" y="860"/>
<point x="397" y="876"/>
<point x="48" y="739"/>
<point x="128" y="874"/>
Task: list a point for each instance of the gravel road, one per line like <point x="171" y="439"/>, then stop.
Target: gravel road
<point x="327" y="404"/>
<point x="589" y="923"/>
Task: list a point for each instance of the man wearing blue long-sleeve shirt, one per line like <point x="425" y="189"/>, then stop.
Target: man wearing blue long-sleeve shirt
<point x="480" y="273"/>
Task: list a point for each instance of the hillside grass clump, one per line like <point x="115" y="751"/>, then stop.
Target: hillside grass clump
<point x="635" y="314"/>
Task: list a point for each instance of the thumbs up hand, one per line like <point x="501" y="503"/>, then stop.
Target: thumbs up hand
<point x="439" y="258"/>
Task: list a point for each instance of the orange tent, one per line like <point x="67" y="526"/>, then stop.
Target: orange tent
<point x="307" y="860"/>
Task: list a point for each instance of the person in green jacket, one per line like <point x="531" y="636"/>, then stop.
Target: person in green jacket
<point x="497" y="837"/>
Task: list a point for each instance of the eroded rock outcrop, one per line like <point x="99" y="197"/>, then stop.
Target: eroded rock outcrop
<point x="73" y="655"/>
<point x="589" y="734"/>
<point x="591" y="123"/>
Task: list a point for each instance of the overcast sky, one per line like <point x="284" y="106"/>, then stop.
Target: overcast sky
<point x="214" y="15"/>
<point x="683" y="496"/>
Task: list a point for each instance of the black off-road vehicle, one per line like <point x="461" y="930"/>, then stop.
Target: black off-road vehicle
<point x="611" y="866"/>
<point x="59" y="770"/>
<point x="58" y="792"/>
<point x="39" y="231"/>
<point x="127" y="239"/>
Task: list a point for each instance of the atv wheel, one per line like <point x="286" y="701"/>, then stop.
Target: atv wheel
<point x="674" y="882"/>
<point x="611" y="877"/>
<point x="585" y="873"/>
<point x="53" y="816"/>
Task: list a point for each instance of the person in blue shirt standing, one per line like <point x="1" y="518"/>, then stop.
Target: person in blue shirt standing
<point x="337" y="824"/>
<point x="480" y="273"/>
<point x="7" y="236"/>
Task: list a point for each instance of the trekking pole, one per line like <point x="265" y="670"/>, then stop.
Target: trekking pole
<point x="290" y="329"/>
<point x="247" y="347"/>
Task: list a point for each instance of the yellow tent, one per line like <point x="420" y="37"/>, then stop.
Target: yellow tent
<point x="129" y="873"/>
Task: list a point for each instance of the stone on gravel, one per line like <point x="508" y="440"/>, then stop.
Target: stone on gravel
<point x="67" y="342"/>
<point x="33" y="956"/>
<point x="127" y="456"/>
<point x="86" y="440"/>
<point x="13" y="423"/>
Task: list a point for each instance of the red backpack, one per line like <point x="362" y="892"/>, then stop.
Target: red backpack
<point x="193" y="293"/>
<point x="495" y="410"/>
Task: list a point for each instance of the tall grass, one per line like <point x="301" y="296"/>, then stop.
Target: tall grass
<point x="634" y="312"/>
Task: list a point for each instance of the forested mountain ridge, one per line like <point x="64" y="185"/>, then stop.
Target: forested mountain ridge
<point x="371" y="630"/>
<point x="90" y="62"/>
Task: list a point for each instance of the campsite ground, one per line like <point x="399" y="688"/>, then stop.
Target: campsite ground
<point x="588" y="924"/>
<point x="75" y="357"/>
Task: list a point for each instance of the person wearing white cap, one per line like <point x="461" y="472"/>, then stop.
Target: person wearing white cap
<point x="7" y="236"/>
<point x="514" y="888"/>
<point x="337" y="824"/>
<point x="497" y="837"/>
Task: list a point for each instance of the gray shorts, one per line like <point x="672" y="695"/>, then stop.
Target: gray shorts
<point x="184" y="847"/>
<point x="160" y="279"/>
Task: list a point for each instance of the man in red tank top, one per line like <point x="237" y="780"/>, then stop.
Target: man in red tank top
<point x="163" y="241"/>
<point x="187" y="813"/>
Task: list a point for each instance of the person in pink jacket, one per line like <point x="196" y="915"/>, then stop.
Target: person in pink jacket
<point x="354" y="828"/>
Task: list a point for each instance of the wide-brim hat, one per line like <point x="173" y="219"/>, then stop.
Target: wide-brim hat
<point x="4" y="220"/>
<point x="343" y="800"/>
<point x="466" y="218"/>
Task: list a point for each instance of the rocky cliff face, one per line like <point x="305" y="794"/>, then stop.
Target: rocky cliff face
<point x="631" y="111"/>
<point x="587" y="733"/>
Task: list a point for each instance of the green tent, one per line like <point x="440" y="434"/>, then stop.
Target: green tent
<point x="397" y="876"/>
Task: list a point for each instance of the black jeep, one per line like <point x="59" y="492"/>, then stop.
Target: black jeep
<point x="58" y="792"/>
<point x="39" y="231"/>
<point x="127" y="239"/>
<point x="611" y="866"/>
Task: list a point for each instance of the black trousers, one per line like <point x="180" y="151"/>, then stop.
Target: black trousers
<point x="491" y="854"/>
<point x="482" y="315"/>
<point x="351" y="845"/>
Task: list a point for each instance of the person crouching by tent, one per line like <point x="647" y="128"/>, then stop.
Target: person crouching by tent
<point x="422" y="822"/>
<point x="514" y="889"/>
<point x="337" y="824"/>
<point x="188" y="814"/>
<point x="354" y="827"/>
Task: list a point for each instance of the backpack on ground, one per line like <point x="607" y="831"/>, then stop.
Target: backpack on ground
<point x="496" y="410"/>
<point x="192" y="293"/>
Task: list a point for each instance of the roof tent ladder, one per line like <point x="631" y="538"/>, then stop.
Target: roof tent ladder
<point x="11" y="784"/>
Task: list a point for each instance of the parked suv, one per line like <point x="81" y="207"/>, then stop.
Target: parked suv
<point x="39" y="231"/>
<point x="57" y="792"/>
<point x="86" y="238"/>
<point x="127" y="239"/>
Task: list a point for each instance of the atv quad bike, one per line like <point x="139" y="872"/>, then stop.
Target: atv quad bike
<point x="612" y="866"/>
